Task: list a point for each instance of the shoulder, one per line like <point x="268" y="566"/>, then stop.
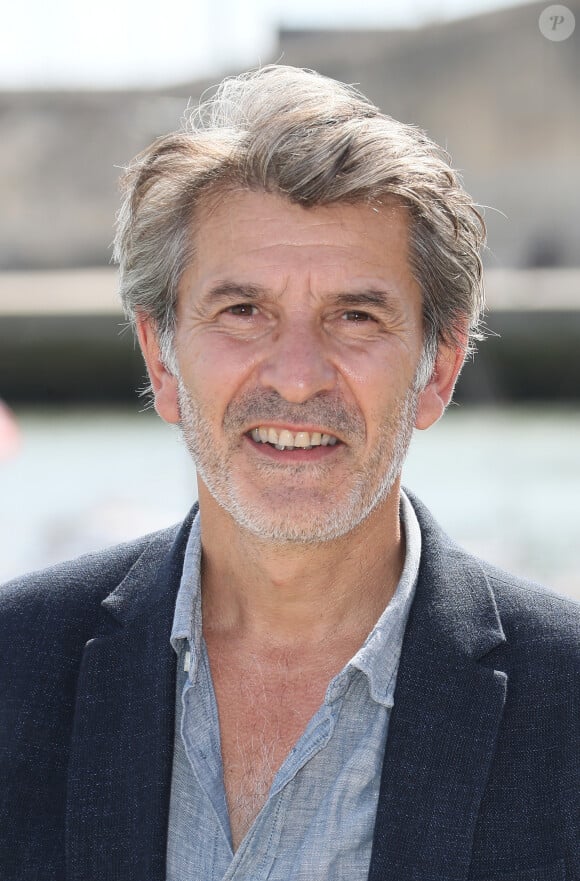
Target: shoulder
<point x="534" y="617"/>
<point x="48" y="617"/>
<point x="541" y="628"/>
<point x="541" y="647"/>
<point x="67" y="593"/>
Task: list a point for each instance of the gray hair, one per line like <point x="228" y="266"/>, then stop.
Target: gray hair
<point x="315" y="141"/>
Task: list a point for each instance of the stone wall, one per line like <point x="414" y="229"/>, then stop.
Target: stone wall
<point x="495" y="92"/>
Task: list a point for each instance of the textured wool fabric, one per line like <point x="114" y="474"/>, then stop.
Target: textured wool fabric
<point x="481" y="774"/>
<point x="319" y="817"/>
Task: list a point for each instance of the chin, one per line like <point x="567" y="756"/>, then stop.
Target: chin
<point x="301" y="520"/>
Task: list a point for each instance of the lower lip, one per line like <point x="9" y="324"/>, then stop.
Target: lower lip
<point x="315" y="454"/>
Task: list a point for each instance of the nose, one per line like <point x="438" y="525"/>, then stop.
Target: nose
<point x="297" y="365"/>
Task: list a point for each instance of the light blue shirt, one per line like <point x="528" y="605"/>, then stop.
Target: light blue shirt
<point x="317" y="823"/>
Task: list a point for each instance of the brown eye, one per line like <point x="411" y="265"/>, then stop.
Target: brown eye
<point x="242" y="309"/>
<point x="357" y="316"/>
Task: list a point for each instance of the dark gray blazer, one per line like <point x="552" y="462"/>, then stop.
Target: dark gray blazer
<point x="481" y="775"/>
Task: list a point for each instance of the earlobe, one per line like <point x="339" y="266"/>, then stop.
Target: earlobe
<point x="439" y="390"/>
<point x="163" y="383"/>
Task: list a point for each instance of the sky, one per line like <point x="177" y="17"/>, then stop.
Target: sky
<point x="132" y="43"/>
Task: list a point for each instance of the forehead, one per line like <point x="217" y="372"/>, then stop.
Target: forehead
<point x="241" y="235"/>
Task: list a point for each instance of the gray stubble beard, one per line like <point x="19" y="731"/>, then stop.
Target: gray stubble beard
<point x="322" y="525"/>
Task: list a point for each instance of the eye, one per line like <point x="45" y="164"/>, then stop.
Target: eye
<point x="356" y="316"/>
<point x="245" y="310"/>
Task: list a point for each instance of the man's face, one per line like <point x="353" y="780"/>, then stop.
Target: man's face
<point x="302" y="328"/>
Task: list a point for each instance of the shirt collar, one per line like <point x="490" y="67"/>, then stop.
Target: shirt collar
<point x="378" y="658"/>
<point x="187" y="615"/>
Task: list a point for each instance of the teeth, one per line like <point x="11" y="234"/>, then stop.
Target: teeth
<point x="286" y="440"/>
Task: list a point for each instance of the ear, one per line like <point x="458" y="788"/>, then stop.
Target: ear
<point x="163" y="383"/>
<point x="439" y="390"/>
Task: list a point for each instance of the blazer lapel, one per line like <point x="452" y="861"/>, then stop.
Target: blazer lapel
<point x="119" y="777"/>
<point x="444" y="723"/>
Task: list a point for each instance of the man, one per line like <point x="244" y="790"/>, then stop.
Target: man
<point x="307" y="679"/>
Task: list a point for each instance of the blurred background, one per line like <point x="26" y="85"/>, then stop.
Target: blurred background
<point x="83" y="463"/>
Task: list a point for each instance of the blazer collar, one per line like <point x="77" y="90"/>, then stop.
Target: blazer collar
<point x="154" y="578"/>
<point x="445" y="720"/>
<point x="119" y="776"/>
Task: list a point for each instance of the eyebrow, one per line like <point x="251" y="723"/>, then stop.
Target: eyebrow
<point x="229" y="290"/>
<point x="374" y="298"/>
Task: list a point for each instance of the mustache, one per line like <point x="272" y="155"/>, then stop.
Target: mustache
<point x="269" y="406"/>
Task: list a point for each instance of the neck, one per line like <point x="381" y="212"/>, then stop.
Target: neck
<point x="298" y="594"/>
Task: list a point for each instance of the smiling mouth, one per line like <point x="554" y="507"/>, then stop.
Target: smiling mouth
<point x="283" y="439"/>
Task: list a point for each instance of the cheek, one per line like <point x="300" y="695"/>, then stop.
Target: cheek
<point x="214" y="367"/>
<point x="378" y="377"/>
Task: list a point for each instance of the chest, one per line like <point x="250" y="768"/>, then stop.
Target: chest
<point x="263" y="710"/>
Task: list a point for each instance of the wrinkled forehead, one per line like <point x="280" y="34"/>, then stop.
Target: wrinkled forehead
<point x="233" y="196"/>
<point x="252" y="226"/>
